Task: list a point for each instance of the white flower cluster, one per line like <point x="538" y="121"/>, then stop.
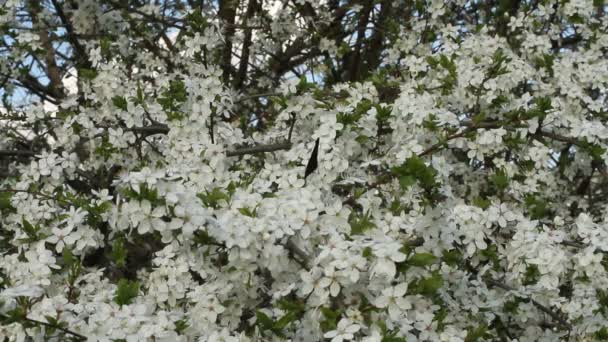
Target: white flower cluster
<point x="460" y="192"/>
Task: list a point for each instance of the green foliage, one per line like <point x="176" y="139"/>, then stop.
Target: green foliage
<point x="512" y="306"/>
<point x="477" y="333"/>
<point x="427" y="286"/>
<point x="498" y="64"/>
<point x="352" y="118"/>
<point x="5" y="202"/>
<point x="360" y="223"/>
<point x="87" y="74"/>
<point x="602" y="297"/>
<point x="383" y="113"/>
<point x="431" y="123"/>
<point x="68" y="257"/>
<point x="202" y="238"/>
<point x="536" y="206"/>
<point x="389" y="335"/>
<point x="95" y="212"/>
<point x="491" y="254"/>
<point x="181" y="326"/>
<point x="120" y="102"/>
<point x="144" y="193"/>
<point x="214" y="198"/>
<point x="602" y="334"/>
<point x="532" y="275"/>
<point x="367" y="253"/>
<point x="266" y="323"/>
<point x="172" y="98"/>
<point x="32" y="231"/>
<point x="546" y="62"/>
<point x="126" y="291"/>
<point x="105" y="44"/>
<point x="447" y="63"/>
<point x="452" y="257"/>
<point x="595" y="151"/>
<point x="482" y="203"/>
<point x="500" y="180"/>
<point x="415" y="170"/>
<point x="53" y="325"/>
<point x="248" y="212"/>
<point x="197" y="21"/>
<point x="105" y="149"/>
<point x="119" y="252"/>
<point x="542" y="107"/>
<point x="330" y="319"/>
<point x="422" y="259"/>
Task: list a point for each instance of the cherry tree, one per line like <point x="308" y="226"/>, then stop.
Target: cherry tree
<point x="304" y="170"/>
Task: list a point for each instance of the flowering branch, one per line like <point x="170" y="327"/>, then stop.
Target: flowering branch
<point x="58" y="327"/>
<point x="556" y="316"/>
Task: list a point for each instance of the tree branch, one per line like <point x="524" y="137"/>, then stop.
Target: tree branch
<point x="67" y="331"/>
<point x="557" y="317"/>
<point x="259" y="149"/>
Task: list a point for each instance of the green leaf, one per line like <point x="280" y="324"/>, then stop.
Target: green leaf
<point x="213" y="198"/>
<point x="105" y="44"/>
<point x="126" y="291"/>
<point x="140" y="94"/>
<point x="31" y="230"/>
<point x="360" y="223"/>
<point x="119" y="252"/>
<point x="452" y="258"/>
<point x="512" y="305"/>
<point x="5" y="201"/>
<point x="414" y="169"/>
<point x="88" y="74"/>
<point x="406" y="181"/>
<point x="500" y="180"/>
<point x="181" y="325"/>
<point x="263" y="321"/>
<point x="284" y="321"/>
<point x="482" y="203"/>
<point x="120" y="102"/>
<point x="491" y="253"/>
<point x="476" y="333"/>
<point x="292" y="305"/>
<point x="248" y="212"/>
<point x="429" y="286"/>
<point x="602" y="334"/>
<point x="422" y="259"/>
<point x="532" y="275"/>
<point x="68" y="257"/>
<point x="331" y="319"/>
<point x="537" y="207"/>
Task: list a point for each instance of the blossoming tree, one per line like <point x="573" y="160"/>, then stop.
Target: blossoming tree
<point x="158" y="181"/>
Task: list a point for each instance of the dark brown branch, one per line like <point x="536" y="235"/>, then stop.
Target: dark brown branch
<point x="227" y="13"/>
<point x="302" y="258"/>
<point x="557" y="317"/>
<point x="82" y="58"/>
<point x="151" y="130"/>
<point x="52" y="70"/>
<point x="67" y="331"/>
<point x="16" y="153"/>
<point x="241" y="74"/>
<point x="259" y="149"/>
<point x="355" y="60"/>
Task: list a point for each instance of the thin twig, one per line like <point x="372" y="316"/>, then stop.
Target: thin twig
<point x="17" y="153"/>
<point x="293" y="123"/>
<point x="259" y="149"/>
<point x="67" y="331"/>
<point x="557" y="317"/>
<point x="302" y="257"/>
